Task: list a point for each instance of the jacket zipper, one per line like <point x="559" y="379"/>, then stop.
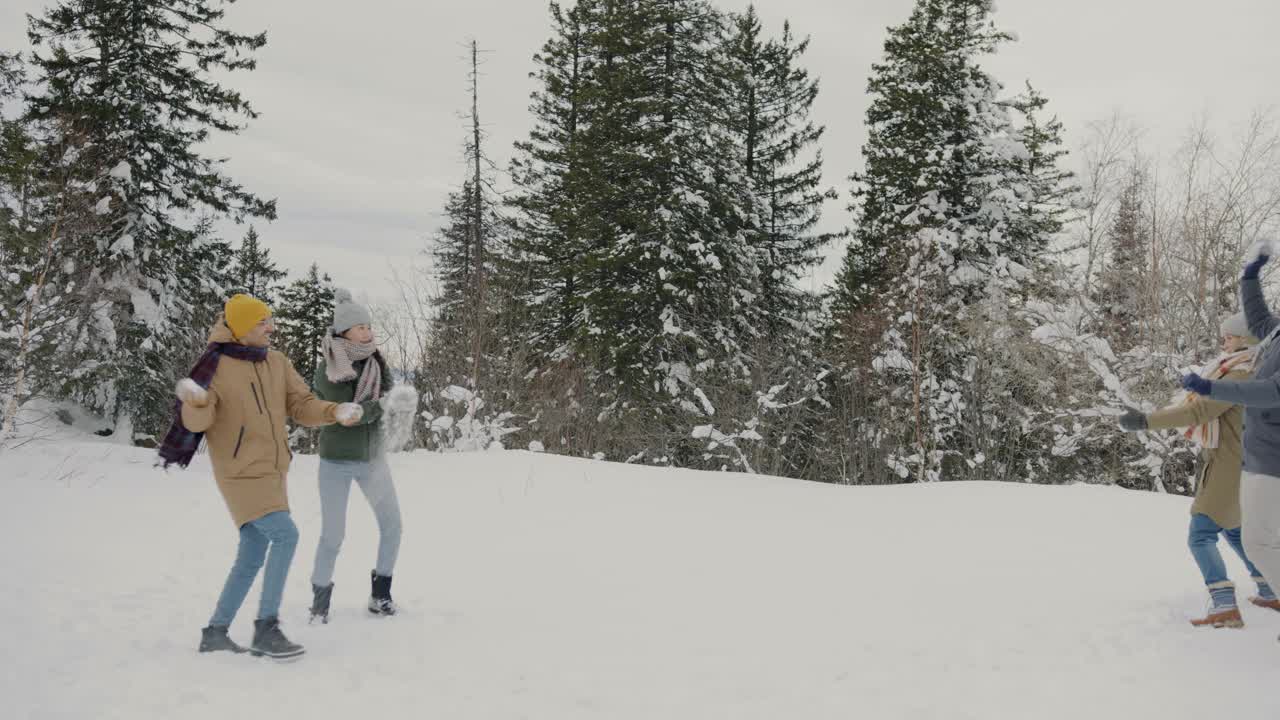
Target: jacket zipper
<point x="239" y="440"/>
<point x="257" y="402"/>
<point x="274" y="440"/>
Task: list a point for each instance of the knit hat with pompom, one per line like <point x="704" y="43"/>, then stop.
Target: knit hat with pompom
<point x="347" y="313"/>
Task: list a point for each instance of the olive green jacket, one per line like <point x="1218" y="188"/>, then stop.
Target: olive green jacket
<point x="362" y="441"/>
<point x="1218" y="485"/>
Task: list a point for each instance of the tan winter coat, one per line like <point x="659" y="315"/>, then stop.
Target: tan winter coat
<point x="1218" y="486"/>
<point x="244" y="428"/>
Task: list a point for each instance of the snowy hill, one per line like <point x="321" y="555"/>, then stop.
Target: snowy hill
<point x="544" y="587"/>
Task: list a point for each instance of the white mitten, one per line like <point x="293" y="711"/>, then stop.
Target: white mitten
<point x="349" y="414"/>
<point x="188" y="391"/>
<point x="399" y="408"/>
<point x="400" y="399"/>
<point x="1264" y="248"/>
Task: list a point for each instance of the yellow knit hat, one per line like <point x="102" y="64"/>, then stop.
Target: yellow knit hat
<point x="243" y="312"/>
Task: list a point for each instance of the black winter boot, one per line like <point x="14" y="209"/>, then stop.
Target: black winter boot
<point x="320" y="603"/>
<point x="268" y="640"/>
<point x="214" y="638"/>
<point x="380" y="603"/>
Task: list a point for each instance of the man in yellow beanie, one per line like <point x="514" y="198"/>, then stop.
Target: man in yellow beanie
<point x="242" y="314"/>
<point x="238" y="396"/>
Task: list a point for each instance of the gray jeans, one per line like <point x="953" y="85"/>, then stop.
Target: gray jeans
<point x="374" y="479"/>
<point x="1260" y="510"/>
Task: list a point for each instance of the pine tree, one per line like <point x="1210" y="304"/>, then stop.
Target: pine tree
<point x="254" y="272"/>
<point x="769" y="115"/>
<point x="670" y="278"/>
<point x="204" y="272"/>
<point x="951" y="218"/>
<point x="549" y="237"/>
<point x="48" y="207"/>
<point x="1120" y="293"/>
<point x="134" y="81"/>
<point x="636" y="215"/>
<point x="1051" y="194"/>
<point x="304" y="318"/>
<point x="933" y="115"/>
<point x="466" y="254"/>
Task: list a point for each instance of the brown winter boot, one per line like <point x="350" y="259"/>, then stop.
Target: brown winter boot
<point x="1228" y="618"/>
<point x="1272" y="604"/>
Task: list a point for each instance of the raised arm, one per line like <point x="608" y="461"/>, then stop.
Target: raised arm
<point x="1261" y="321"/>
<point x="1256" y="313"/>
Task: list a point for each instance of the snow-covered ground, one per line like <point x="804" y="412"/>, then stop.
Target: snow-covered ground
<point x="536" y="586"/>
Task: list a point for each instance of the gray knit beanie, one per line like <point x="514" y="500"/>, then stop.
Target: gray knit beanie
<point x="1238" y="326"/>
<point x="348" y="313"/>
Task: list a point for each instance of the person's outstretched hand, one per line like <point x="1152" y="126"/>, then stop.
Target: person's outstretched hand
<point x="349" y="414"/>
<point x="1196" y="384"/>
<point x="1133" y="421"/>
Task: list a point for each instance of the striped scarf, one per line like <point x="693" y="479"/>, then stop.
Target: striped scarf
<point x="340" y="357"/>
<point x="1208" y="435"/>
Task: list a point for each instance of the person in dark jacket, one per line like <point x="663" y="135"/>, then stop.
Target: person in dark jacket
<point x="352" y="370"/>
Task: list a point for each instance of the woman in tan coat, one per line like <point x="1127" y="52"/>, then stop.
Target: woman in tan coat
<point x="1218" y="428"/>
<point x="238" y="396"/>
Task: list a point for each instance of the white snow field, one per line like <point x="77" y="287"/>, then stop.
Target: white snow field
<point x="535" y="586"/>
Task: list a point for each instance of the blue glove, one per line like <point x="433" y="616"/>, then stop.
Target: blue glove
<point x="1196" y="384"/>
<point x="1254" y="268"/>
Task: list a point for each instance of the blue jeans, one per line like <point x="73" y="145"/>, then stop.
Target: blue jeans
<point x="277" y="531"/>
<point x="1203" y="541"/>
<point x="374" y="479"/>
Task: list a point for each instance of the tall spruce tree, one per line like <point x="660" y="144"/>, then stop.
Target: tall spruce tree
<point x="50" y="212"/>
<point x="466" y="254"/>
<point x="772" y="97"/>
<point x="303" y="318"/>
<point x="203" y="263"/>
<point x="134" y="81"/>
<point x="940" y="141"/>
<point x="1051" y="194"/>
<point x="1120" y="291"/>
<point x="950" y="222"/>
<point x="254" y="272"/>
<point x="549" y="238"/>
<point x="671" y="276"/>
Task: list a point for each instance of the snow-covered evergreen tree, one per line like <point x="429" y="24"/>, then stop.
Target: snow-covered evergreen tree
<point x="303" y="317"/>
<point x="254" y="272"/>
<point x="771" y="98"/>
<point x="549" y="236"/>
<point x="1052" y="195"/>
<point x="950" y="224"/>
<point x="49" y="209"/>
<point x="1121" y="287"/>
<point x="466" y="255"/>
<point x="134" y="82"/>
<point x="203" y="263"/>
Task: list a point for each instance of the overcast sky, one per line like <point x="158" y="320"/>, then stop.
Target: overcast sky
<point x="360" y="133"/>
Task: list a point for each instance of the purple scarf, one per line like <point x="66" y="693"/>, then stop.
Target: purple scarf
<point x="180" y="444"/>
